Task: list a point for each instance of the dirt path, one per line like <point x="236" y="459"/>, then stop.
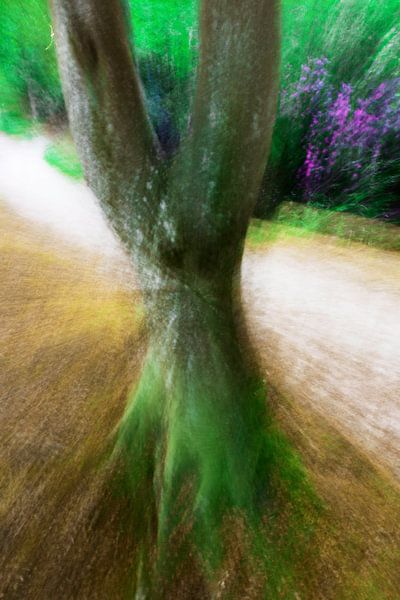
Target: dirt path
<point x="39" y="192"/>
<point x="325" y="317"/>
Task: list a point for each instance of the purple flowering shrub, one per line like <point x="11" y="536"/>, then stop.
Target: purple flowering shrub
<point x="343" y="150"/>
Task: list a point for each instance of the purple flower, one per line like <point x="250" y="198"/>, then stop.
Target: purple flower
<point x="345" y="137"/>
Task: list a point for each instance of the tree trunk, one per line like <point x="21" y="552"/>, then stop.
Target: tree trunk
<point x="192" y="437"/>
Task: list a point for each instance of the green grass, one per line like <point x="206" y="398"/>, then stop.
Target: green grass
<point x="299" y="220"/>
<point x="62" y="156"/>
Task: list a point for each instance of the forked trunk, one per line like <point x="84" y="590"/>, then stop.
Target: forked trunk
<point x="192" y="438"/>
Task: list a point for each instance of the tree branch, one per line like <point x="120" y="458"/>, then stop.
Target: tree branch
<point x="108" y="119"/>
<point x="221" y="163"/>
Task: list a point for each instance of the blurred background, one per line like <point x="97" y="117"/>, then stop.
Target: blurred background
<point x="337" y="137"/>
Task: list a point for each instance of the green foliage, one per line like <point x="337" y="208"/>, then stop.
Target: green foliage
<point x="29" y="83"/>
<point x="360" y="39"/>
<point x="13" y="123"/>
<point x="166" y="47"/>
<point x="361" y="42"/>
<point x="168" y="30"/>
<point x="165" y="40"/>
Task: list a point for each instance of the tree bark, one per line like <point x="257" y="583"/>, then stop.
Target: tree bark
<point x="197" y="418"/>
<point x="106" y="110"/>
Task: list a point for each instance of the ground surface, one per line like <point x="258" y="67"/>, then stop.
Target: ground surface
<point x="326" y="319"/>
<point x="326" y="315"/>
<point x="70" y="350"/>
